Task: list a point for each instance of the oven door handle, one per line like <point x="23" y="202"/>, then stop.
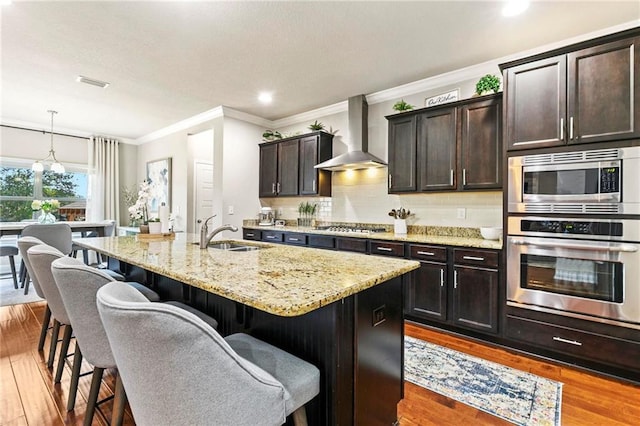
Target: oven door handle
<point x="627" y="248"/>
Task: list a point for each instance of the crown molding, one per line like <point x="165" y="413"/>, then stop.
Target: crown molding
<point x="249" y="118"/>
<point x="181" y="125"/>
<point x="311" y="115"/>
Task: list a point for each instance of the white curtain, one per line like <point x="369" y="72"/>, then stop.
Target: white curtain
<point x="104" y="180"/>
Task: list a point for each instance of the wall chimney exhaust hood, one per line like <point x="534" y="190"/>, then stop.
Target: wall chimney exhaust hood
<point x="357" y="157"/>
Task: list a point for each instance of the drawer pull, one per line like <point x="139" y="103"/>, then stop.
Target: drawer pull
<point x="426" y="253"/>
<point x="384" y="249"/>
<point x="249" y="234"/>
<point x="480" y="259"/>
<point x="571" y="342"/>
<point x="271" y="237"/>
<point x="294" y="239"/>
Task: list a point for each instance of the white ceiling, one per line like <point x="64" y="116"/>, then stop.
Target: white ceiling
<point x="168" y="61"/>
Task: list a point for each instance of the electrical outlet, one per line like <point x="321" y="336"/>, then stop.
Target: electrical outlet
<point x="230" y="211"/>
<point x="461" y="213"/>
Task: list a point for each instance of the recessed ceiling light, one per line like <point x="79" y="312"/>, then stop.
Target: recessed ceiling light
<point x="92" y="81"/>
<point x="265" y="98"/>
<point x="514" y="7"/>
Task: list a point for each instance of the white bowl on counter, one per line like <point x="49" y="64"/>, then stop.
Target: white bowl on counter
<point x="490" y="232"/>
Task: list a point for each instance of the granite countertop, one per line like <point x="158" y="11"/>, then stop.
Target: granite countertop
<point x="279" y="279"/>
<point x="459" y="240"/>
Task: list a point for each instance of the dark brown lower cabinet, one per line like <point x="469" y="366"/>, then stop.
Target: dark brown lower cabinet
<point x="475" y="298"/>
<point x="463" y="292"/>
<point x="427" y="293"/>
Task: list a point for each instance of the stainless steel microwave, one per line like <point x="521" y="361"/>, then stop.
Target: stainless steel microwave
<point x="603" y="181"/>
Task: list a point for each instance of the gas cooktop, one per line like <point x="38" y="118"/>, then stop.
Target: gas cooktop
<point x="352" y="230"/>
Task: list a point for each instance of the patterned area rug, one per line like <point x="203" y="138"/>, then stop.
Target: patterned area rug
<point x="516" y="396"/>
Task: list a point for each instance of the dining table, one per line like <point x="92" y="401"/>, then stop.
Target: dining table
<point x="15" y="228"/>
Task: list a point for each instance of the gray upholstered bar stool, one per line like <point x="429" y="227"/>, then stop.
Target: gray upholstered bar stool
<point x="10" y="251"/>
<point x="40" y="258"/>
<point x="164" y="354"/>
<point x="57" y="235"/>
<point x="78" y="285"/>
<point x="24" y="244"/>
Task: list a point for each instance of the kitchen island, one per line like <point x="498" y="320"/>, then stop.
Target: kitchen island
<point x="340" y="311"/>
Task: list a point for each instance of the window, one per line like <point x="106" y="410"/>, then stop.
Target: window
<point x="19" y="186"/>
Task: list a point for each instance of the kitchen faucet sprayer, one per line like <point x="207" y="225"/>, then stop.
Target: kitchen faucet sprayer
<point x="205" y="237"/>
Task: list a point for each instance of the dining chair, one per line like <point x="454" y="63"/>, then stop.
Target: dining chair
<point x="57" y="235"/>
<point x="108" y="232"/>
<point x="10" y="251"/>
<point x="164" y="353"/>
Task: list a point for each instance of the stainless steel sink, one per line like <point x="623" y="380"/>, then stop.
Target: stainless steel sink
<point x="230" y="246"/>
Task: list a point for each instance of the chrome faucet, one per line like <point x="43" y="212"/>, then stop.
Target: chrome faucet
<point x="206" y="237"/>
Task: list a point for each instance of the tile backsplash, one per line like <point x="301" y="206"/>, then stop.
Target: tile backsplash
<point x="361" y="196"/>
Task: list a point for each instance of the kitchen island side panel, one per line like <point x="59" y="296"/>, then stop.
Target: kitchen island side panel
<point x="359" y="357"/>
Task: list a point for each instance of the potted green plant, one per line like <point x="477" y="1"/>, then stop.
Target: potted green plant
<point x="306" y="211"/>
<point x="488" y="83"/>
<point x="401" y="106"/>
<point x="270" y="135"/>
<point x="155" y="227"/>
<point x="315" y="126"/>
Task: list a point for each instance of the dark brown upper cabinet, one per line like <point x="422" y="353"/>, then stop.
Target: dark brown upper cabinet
<point x="315" y="149"/>
<point x="437" y="150"/>
<point x="480" y="144"/>
<point x="447" y="148"/>
<point x="287" y="166"/>
<point x="589" y="93"/>
<point x="402" y="154"/>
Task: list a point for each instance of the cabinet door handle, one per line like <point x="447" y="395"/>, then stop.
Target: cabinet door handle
<point x="384" y="249"/>
<point x="570" y="127"/>
<point x="390" y="180"/>
<point x="561" y="128"/>
<point x="426" y="253"/>
<point x="273" y="188"/>
<point x="314" y="185"/>
<point x="571" y="342"/>
<point x="451" y="177"/>
<point x="464" y="177"/>
<point x="480" y="259"/>
<point x="249" y="234"/>
<point x="278" y="187"/>
<point x="441" y="277"/>
<point x="455" y="279"/>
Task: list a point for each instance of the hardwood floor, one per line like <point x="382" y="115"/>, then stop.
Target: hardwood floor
<point x="29" y="397"/>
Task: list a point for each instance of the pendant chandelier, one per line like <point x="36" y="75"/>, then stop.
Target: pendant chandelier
<point x="56" y="166"/>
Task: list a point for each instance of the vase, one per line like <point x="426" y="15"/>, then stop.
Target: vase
<point x="144" y="229"/>
<point x="155" y="227"/>
<point x="46" y="217"/>
<point x="400" y="226"/>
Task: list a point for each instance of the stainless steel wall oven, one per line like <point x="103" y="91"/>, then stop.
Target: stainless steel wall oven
<point x="583" y="267"/>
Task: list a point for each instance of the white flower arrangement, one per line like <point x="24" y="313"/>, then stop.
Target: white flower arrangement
<point x="46" y="206"/>
<point x="139" y="211"/>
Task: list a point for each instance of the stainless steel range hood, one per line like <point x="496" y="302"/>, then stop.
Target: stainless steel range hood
<point x="357" y="157"/>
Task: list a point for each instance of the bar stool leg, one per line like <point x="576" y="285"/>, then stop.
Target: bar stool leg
<point x="75" y="378"/>
<point x="92" y="401"/>
<point x="66" y="339"/>
<point x="119" y="402"/>
<point x="45" y="326"/>
<point x="54" y="343"/>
